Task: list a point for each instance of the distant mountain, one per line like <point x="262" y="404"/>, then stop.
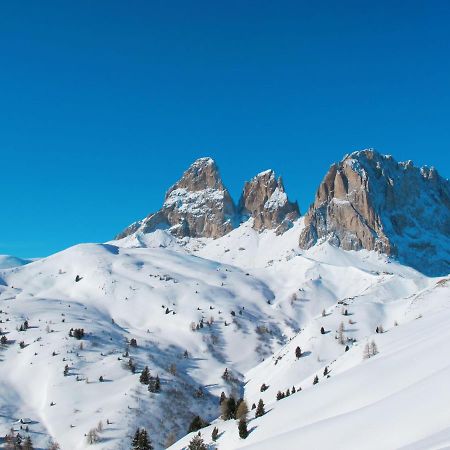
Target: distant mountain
<point x="199" y="205"/>
<point x="371" y="201"/>
<point x="366" y="201"/>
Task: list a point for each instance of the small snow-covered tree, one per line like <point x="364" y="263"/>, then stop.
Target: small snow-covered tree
<point x="215" y="434"/>
<point x="92" y="436"/>
<point x="366" y="351"/>
<point x="341" y="338"/>
<point x="373" y="348"/>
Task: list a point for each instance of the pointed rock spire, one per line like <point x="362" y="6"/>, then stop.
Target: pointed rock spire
<point x="198" y="205"/>
<point x="265" y="200"/>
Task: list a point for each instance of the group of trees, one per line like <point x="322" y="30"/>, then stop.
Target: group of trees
<point x="281" y="395"/>
<point x="141" y="440"/>
<point x="77" y="333"/>
<point x="153" y="383"/>
<point x="17" y="442"/>
<point x="370" y="350"/>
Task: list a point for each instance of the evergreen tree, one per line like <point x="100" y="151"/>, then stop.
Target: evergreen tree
<point x="144" y="441"/>
<point x="228" y="408"/>
<point x="215" y="434"/>
<point x="222" y="397"/>
<point x="260" y="411"/>
<point x="242" y="427"/>
<point x="322" y="330"/>
<point x="316" y="380"/>
<point x="298" y="352"/>
<point x="145" y="376"/>
<point x="197" y="443"/>
<point x="196" y="424"/>
<point x="135" y="440"/>
<point x="325" y="371"/>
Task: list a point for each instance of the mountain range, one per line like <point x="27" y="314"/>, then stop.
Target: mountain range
<point x="336" y="321"/>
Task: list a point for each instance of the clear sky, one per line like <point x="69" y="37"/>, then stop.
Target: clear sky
<point x="105" y="103"/>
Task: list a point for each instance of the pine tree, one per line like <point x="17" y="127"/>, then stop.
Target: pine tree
<point x="316" y="380"/>
<point x="322" y="330"/>
<point x="197" y="443"/>
<point x="242" y="427"/>
<point x="280" y="395"/>
<point x="293" y="390"/>
<point x="215" y="434"/>
<point x="144" y="441"/>
<point x="222" y="397"/>
<point x="260" y="411"/>
<point x="325" y="371"/>
<point x="135" y="440"/>
<point x="196" y="424"/>
<point x="228" y="408"/>
<point x="145" y="376"/>
<point x="298" y="352"/>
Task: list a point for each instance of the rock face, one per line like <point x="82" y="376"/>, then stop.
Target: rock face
<point x="198" y="205"/>
<point x="370" y="201"/>
<point x="264" y="199"/>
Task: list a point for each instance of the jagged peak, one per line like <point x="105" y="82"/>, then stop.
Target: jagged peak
<point x="201" y="175"/>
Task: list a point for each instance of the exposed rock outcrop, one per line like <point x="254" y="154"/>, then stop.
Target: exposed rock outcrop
<point x="370" y="201"/>
<point x="198" y="205"/>
<point x="265" y="200"/>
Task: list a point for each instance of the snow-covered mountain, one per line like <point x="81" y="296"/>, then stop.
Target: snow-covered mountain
<point x="212" y="297"/>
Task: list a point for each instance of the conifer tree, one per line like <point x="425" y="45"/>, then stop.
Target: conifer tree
<point x="145" y="376"/>
<point x="316" y="380"/>
<point x="242" y="427"/>
<point x="196" y="424"/>
<point x="135" y="440"/>
<point x="197" y="443"/>
<point x="298" y="352"/>
<point x="144" y="441"/>
<point x="260" y="411"/>
<point x="215" y="434"/>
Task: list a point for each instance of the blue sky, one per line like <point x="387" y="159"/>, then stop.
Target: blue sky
<point x="104" y="104"/>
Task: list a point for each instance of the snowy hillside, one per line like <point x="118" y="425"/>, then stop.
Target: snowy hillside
<point x="195" y="307"/>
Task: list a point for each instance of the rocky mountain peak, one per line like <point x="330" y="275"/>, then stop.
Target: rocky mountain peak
<point x="265" y="200"/>
<point x="198" y="205"/>
<point x="370" y="201"/>
<point x="202" y="174"/>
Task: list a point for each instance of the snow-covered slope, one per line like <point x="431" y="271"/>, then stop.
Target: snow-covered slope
<point x="395" y="399"/>
<point x="254" y="298"/>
